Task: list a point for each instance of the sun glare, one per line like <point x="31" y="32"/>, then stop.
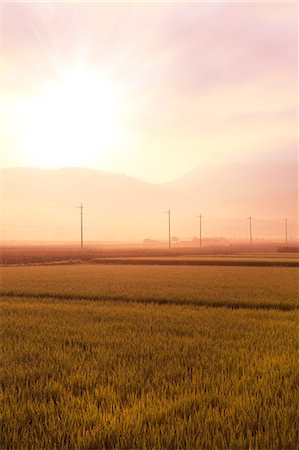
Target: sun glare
<point x="73" y="120"/>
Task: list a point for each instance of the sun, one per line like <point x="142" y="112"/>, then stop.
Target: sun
<point x="73" y="120"/>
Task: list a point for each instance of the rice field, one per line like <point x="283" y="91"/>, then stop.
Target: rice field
<point x="251" y="287"/>
<point x="164" y="357"/>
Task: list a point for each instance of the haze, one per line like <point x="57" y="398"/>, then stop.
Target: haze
<point x="147" y="89"/>
<point x="195" y="103"/>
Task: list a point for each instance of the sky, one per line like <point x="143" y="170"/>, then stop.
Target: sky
<point x="147" y="89"/>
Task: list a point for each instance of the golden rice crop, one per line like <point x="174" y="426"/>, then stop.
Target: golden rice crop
<point x="86" y="375"/>
<point x="264" y="287"/>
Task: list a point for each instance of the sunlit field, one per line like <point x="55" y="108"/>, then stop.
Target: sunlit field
<point x="251" y="287"/>
<point x="82" y="374"/>
<point x="136" y="356"/>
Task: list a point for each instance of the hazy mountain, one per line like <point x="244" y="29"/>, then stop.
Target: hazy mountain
<point x="265" y="189"/>
<point x="70" y="186"/>
<point x="41" y="204"/>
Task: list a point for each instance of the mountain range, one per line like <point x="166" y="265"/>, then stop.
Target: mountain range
<point x="39" y="203"/>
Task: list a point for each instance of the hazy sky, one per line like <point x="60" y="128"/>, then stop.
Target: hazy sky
<point x="147" y="89"/>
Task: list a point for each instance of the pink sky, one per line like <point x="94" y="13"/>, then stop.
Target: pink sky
<point x="195" y="84"/>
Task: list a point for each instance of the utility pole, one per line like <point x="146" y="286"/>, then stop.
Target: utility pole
<point x="169" y="233"/>
<point x="286" y="230"/>
<point x="200" y="216"/>
<point x="250" y="229"/>
<point x="81" y="214"/>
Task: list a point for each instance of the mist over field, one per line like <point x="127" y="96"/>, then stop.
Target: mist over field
<point x="41" y="204"/>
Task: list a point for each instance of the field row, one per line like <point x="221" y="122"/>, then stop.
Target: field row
<point x="81" y="374"/>
<point x="238" y="287"/>
<point x="42" y="254"/>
